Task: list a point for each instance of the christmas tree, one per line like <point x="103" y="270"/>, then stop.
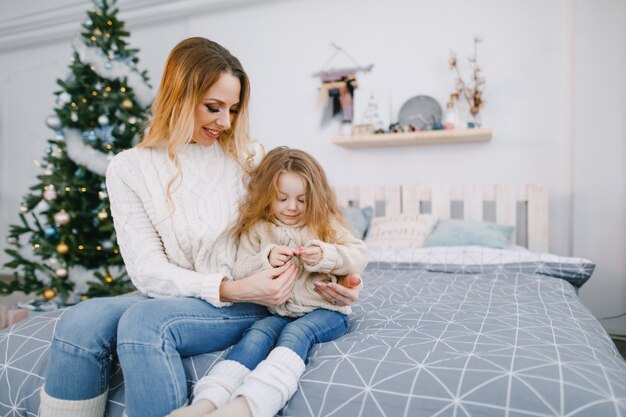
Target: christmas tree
<point x="66" y="232"/>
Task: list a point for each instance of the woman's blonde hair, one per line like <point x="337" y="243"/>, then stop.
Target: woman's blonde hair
<point x="321" y="207"/>
<point x="192" y="67"/>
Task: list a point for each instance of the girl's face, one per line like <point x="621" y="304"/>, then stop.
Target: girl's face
<point x="290" y="205"/>
<point x="217" y="110"/>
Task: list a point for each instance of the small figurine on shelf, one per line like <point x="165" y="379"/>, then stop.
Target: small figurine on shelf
<point x="371" y="115"/>
<point x="451" y="120"/>
<point x="472" y="91"/>
<point x="395" y="128"/>
<point x="361" y="130"/>
<point x="413" y="128"/>
<point x="437" y="125"/>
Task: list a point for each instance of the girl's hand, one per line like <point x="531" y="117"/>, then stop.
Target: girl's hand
<point x="311" y="255"/>
<point x="344" y="293"/>
<point x="280" y="255"/>
<point x="270" y="287"/>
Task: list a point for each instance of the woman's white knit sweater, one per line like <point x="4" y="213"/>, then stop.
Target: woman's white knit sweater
<point x="187" y="253"/>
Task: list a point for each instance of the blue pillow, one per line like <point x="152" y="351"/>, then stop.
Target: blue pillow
<point x="360" y="219"/>
<point x="455" y="232"/>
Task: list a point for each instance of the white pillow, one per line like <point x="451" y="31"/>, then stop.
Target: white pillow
<point x="401" y="231"/>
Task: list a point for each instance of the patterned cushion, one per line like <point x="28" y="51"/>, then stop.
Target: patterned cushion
<point x="399" y="231"/>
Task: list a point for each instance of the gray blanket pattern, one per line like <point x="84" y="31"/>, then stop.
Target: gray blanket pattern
<point x="500" y="342"/>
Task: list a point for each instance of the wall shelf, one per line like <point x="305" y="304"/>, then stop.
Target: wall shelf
<point x="430" y="137"/>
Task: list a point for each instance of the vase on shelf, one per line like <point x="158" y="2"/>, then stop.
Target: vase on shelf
<point x="475" y="120"/>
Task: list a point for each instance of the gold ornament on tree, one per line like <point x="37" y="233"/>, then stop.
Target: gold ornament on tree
<point x="108" y="278"/>
<point x="127" y="104"/>
<point x="62" y="248"/>
<point x="49" y="294"/>
<point x="472" y="91"/>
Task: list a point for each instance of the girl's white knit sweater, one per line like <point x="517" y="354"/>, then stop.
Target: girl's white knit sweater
<point x="187" y="253"/>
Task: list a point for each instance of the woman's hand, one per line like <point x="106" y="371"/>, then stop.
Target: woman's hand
<point x="344" y="293"/>
<point x="270" y="287"/>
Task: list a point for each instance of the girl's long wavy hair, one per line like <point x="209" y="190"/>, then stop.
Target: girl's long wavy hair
<point x="192" y="67"/>
<point x="321" y="207"/>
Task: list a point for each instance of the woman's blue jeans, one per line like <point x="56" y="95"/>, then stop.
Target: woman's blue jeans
<point x="298" y="334"/>
<point x="149" y="335"/>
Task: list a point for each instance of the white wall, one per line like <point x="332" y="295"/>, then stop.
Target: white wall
<point x="539" y="59"/>
<point x="599" y="142"/>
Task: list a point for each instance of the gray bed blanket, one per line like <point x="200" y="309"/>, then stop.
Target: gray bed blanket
<point x="425" y="340"/>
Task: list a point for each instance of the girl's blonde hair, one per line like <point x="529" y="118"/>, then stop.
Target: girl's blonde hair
<point x="321" y="207"/>
<point x="192" y="67"/>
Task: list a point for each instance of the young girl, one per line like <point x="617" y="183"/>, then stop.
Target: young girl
<point x="290" y="215"/>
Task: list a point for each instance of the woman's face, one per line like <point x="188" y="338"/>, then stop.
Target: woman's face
<point x="217" y="110"/>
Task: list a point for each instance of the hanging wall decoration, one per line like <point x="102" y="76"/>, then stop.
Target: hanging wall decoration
<point x="337" y="88"/>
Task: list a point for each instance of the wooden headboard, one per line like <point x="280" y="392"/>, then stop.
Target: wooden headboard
<point x="523" y="206"/>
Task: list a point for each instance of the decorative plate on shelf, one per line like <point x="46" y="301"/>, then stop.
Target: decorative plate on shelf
<point x="420" y="111"/>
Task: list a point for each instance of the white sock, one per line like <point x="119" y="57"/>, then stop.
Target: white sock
<point x="220" y="383"/>
<point x="272" y="383"/>
<point x="54" y="407"/>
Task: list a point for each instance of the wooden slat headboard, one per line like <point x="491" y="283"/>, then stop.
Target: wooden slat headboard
<point x="524" y="206"/>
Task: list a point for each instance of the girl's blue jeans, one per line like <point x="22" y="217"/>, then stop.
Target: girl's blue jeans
<point x="298" y="334"/>
<point x="149" y="337"/>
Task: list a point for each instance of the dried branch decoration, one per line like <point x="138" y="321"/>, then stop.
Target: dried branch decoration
<point x="473" y="90"/>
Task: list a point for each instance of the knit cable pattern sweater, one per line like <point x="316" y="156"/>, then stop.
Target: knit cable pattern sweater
<point x="337" y="259"/>
<point x="187" y="253"/>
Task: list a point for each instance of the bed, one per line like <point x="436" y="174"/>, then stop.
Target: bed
<point x="455" y="330"/>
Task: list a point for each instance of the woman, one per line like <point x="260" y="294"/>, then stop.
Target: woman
<point x="173" y="199"/>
